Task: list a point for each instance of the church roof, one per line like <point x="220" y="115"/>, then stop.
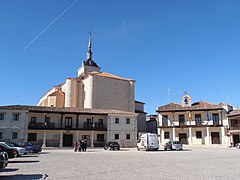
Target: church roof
<point x="70" y="110"/>
<point x="200" y="105"/>
<point x="90" y="62"/>
<point x="107" y="75"/>
<point x="56" y="93"/>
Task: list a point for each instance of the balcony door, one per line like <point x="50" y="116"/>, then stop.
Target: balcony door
<point x="68" y="122"/>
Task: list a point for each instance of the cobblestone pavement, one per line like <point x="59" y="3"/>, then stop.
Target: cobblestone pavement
<point x="129" y="164"/>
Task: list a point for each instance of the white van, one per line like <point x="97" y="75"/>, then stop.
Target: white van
<point x="148" y="141"/>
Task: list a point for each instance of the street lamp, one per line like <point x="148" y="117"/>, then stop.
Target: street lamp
<point x="92" y="144"/>
<point x="45" y="132"/>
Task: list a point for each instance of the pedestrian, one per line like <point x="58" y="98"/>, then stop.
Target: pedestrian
<point x="84" y="145"/>
<point x="79" y="146"/>
<point x="75" y="145"/>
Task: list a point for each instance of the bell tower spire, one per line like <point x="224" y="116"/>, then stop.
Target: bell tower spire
<point x="89" y="52"/>
<point x="89" y="65"/>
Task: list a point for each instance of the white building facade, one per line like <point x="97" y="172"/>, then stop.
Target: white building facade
<point x="199" y="123"/>
<point x="59" y="127"/>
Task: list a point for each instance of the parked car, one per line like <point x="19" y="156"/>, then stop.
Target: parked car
<point x="112" y="145"/>
<point x="12" y="152"/>
<point x="20" y="150"/>
<point x="3" y="159"/>
<point x="29" y="147"/>
<point x="173" y="145"/>
<point x="237" y="145"/>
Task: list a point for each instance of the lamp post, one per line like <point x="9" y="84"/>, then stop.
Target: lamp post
<point x="92" y="144"/>
<point x="45" y="132"/>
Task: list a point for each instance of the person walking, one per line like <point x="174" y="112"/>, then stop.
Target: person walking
<point x="75" y="145"/>
<point x="84" y="145"/>
<point x="79" y="146"/>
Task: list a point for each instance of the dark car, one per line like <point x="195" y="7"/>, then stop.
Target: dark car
<point x="112" y="145"/>
<point x="3" y="159"/>
<point x="31" y="148"/>
<point x="12" y="152"/>
<point x="237" y="145"/>
<point x="173" y="145"/>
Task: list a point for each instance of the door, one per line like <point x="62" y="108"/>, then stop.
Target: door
<point x="215" y="137"/>
<point x="183" y="138"/>
<point x="67" y="140"/>
<point x="235" y="139"/>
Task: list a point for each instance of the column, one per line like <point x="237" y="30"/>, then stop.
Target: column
<point x="92" y="145"/>
<point x="159" y="135"/>
<point x="77" y="136"/>
<point x="44" y="138"/>
<point x="77" y="121"/>
<point x="162" y="137"/>
<point x="190" y="135"/>
<point x="223" y="135"/>
<point x="173" y="134"/>
<point x="61" y="125"/>
<point x="61" y="139"/>
<point x="208" y="137"/>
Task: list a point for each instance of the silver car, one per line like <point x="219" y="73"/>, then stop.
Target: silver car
<point x="20" y="150"/>
<point x="173" y="145"/>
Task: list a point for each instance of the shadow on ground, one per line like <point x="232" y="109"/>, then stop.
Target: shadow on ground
<point x="8" y="170"/>
<point x="24" y="176"/>
<point x="22" y="162"/>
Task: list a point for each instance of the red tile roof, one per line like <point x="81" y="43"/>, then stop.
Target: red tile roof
<point x="200" y="105"/>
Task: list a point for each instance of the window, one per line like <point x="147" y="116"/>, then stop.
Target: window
<point x="0" y="135"/>
<point x="198" y="119"/>
<point x="14" y="135"/>
<point x="166" y="135"/>
<point x="1" y="116"/>
<point x="128" y="136"/>
<point x="16" y="117"/>
<point x="100" y="137"/>
<point x="68" y="122"/>
<point x="128" y="121"/>
<point x="215" y="118"/>
<point x="32" y="136"/>
<point x="165" y="120"/>
<point x="181" y="118"/>
<point x="33" y="119"/>
<point x="116" y="136"/>
<point x="198" y="134"/>
<point x="116" y="120"/>
<point x="235" y="123"/>
<point x="47" y="119"/>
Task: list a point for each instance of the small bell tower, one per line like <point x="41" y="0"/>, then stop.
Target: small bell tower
<point x="186" y="100"/>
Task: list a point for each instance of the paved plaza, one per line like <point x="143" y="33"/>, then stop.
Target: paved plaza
<point x="191" y="163"/>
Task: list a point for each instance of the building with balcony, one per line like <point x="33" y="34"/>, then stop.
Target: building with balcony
<point x="60" y="126"/>
<point x="234" y="127"/>
<point x="199" y="123"/>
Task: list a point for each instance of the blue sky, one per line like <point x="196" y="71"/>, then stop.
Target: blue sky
<point x="167" y="46"/>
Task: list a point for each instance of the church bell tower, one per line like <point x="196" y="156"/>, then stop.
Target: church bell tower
<point x="89" y="65"/>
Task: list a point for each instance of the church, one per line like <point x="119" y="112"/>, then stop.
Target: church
<point x="95" y="105"/>
<point x="92" y="89"/>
